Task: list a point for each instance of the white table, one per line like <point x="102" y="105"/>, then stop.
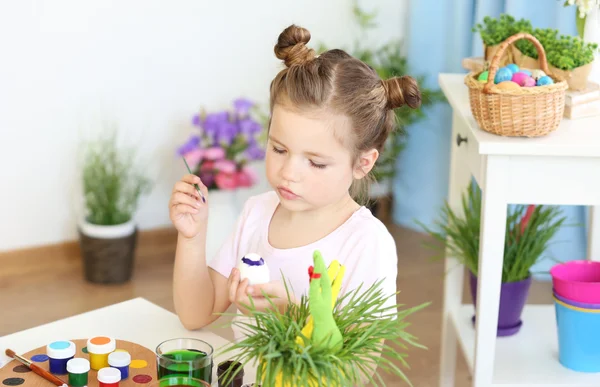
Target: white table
<point x="136" y="320"/>
<point x="562" y="168"/>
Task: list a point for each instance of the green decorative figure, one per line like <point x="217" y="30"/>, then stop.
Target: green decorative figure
<point x="326" y="333"/>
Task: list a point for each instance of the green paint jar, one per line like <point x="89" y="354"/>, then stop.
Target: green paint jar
<point x="78" y="369"/>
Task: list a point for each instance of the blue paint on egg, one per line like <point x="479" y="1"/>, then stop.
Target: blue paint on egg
<point x="253" y="262"/>
<point x="545" y="80"/>
<point x="503" y="74"/>
<point x="513" y="68"/>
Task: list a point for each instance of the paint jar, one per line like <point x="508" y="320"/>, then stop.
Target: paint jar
<point x="109" y="377"/>
<point x="78" y="369"/>
<point x="120" y="360"/>
<point x="98" y="348"/>
<point x="59" y="353"/>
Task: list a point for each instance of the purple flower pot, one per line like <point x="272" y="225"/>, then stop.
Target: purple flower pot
<point x="513" y="296"/>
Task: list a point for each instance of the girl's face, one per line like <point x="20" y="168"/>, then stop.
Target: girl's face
<point x="306" y="164"/>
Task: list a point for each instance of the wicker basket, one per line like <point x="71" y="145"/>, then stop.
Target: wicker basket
<point x="108" y="260"/>
<point x="526" y="111"/>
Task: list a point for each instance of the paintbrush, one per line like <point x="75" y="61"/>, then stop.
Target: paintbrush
<point x="40" y="371"/>
<point x="195" y="185"/>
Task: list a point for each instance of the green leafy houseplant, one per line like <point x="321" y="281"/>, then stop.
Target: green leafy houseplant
<point x="368" y="328"/>
<point x="562" y="51"/>
<point x="494" y="31"/>
<point x="388" y="61"/>
<point x="528" y="232"/>
<point x="112" y="184"/>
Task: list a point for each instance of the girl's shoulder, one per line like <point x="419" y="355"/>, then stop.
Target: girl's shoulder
<point x="369" y="229"/>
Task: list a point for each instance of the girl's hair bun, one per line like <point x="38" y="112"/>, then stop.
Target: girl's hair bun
<point x="291" y="46"/>
<point x="402" y="91"/>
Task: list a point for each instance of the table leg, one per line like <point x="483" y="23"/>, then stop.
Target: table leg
<point x="594" y="234"/>
<point x="491" y="256"/>
<point x="453" y="270"/>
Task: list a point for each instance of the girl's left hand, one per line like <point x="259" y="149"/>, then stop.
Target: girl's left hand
<point x="240" y="293"/>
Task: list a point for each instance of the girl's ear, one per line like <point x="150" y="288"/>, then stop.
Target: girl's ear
<point x="366" y="162"/>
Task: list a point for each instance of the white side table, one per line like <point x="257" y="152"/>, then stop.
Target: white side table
<point x="562" y="168"/>
<point x="136" y="320"/>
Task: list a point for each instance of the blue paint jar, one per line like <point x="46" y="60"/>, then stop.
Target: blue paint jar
<point x="120" y="360"/>
<point x="59" y="353"/>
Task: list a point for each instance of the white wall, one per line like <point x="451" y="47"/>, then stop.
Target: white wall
<point x="66" y="66"/>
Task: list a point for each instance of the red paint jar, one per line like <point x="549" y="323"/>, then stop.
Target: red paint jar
<point x="109" y="377"/>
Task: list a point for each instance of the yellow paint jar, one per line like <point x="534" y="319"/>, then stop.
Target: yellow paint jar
<point x="99" y="348"/>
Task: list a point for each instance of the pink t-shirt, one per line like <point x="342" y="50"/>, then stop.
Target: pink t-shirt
<point x="362" y="244"/>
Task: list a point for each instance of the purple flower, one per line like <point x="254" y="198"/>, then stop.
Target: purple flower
<point x="254" y="152"/>
<point x="217" y="117"/>
<point x="226" y="132"/>
<point x="214" y="121"/>
<point x="249" y="126"/>
<point x="242" y="106"/>
<point x="191" y="144"/>
<point x="196" y="120"/>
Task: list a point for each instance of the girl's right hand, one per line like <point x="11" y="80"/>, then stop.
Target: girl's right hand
<point x="187" y="210"/>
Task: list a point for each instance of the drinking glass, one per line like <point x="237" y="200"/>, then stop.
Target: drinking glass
<point x="191" y="358"/>
<point x="178" y="381"/>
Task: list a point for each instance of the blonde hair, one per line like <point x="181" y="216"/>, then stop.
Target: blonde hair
<point x="336" y="81"/>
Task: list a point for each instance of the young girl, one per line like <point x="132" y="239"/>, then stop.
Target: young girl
<point x="330" y="117"/>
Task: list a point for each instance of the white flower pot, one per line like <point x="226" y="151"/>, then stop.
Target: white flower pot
<point x="108" y="251"/>
<point x="591" y="34"/>
<point x="107" y="232"/>
<point x="223" y="211"/>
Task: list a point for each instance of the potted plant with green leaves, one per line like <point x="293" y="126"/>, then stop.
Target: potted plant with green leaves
<point x="112" y="186"/>
<point x="388" y="61"/>
<point x="529" y="230"/>
<point x="569" y="57"/>
<point x="340" y="341"/>
<point x="494" y="31"/>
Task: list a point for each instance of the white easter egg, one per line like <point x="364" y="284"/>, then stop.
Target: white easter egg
<point x="253" y="267"/>
<point x="537" y="74"/>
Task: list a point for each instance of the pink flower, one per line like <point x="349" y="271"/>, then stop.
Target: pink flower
<point x="214" y="153"/>
<point x="227" y="166"/>
<point x="193" y="157"/>
<point x="207" y="166"/>
<point x="527" y="216"/>
<point x="251" y="173"/>
<point x="243" y="179"/>
<point x="225" y="181"/>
